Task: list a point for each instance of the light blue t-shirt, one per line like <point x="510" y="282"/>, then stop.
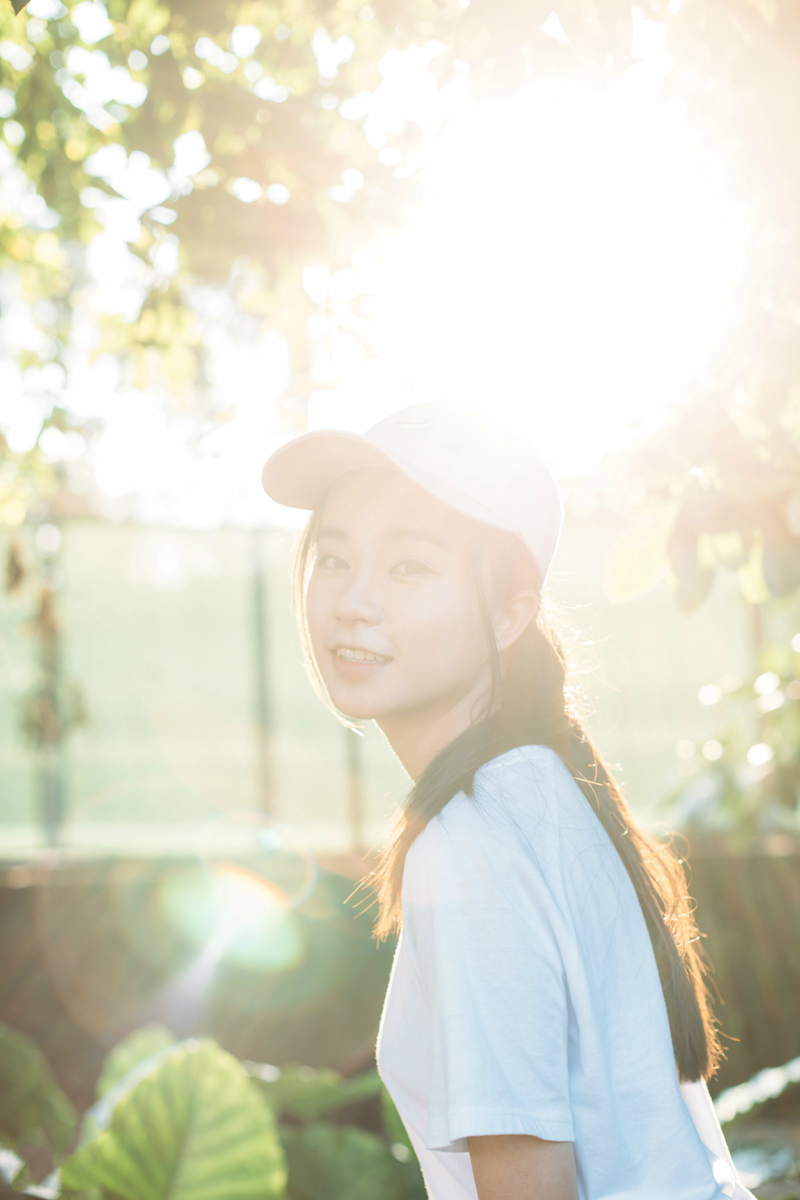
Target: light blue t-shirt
<point x="525" y="998"/>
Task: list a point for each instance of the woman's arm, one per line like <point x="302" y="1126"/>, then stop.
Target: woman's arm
<point x="514" y="1166"/>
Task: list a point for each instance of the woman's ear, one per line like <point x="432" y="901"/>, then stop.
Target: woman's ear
<point x="515" y="617"/>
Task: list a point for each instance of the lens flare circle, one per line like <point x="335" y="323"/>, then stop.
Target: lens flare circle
<point x="254" y="872"/>
<point x="231" y="913"/>
<point x="155" y="892"/>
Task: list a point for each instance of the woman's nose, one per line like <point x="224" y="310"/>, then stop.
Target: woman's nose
<point x="359" y="601"/>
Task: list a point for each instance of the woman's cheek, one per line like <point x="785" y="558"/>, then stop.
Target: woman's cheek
<point x="440" y="625"/>
<point x="316" y="617"/>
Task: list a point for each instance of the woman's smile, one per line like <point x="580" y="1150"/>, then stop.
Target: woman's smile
<point x="355" y="663"/>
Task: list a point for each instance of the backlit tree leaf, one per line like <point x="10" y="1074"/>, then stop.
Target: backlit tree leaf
<point x="691" y="581"/>
<point x="638" y="559"/>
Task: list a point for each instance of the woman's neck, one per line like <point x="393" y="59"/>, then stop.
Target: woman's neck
<point x="418" y="735"/>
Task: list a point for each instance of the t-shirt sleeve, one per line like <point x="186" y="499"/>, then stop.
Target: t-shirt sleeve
<point x="488" y="943"/>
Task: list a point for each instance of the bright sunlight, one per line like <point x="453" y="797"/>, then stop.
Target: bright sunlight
<point x="570" y="266"/>
<point x="573" y="269"/>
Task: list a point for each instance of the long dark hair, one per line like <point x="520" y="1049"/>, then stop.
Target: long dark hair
<point x="531" y="703"/>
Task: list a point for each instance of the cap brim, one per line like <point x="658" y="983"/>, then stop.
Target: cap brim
<point x="300" y="473"/>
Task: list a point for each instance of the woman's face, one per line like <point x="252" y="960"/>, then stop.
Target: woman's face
<point x="392" y="605"/>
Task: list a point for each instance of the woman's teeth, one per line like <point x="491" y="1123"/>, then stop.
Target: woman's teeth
<point x="358" y="656"/>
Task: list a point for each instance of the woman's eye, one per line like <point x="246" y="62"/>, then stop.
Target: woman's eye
<point x="410" y="566"/>
<point x="330" y="562"/>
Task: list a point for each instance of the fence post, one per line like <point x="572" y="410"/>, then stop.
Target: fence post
<point x="265" y="781"/>
<point x="44" y="718"/>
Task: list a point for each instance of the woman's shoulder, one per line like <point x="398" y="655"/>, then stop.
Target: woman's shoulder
<point x="521" y="831"/>
<point x="529" y="833"/>
<point x="527" y="766"/>
<point x="522" y="797"/>
<point x="533" y="779"/>
<point x="524" y="803"/>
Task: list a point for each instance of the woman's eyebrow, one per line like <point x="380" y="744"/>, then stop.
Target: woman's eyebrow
<point x="396" y="535"/>
<point x="416" y="535"/>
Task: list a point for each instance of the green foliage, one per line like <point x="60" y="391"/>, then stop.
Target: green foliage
<point x="187" y="1120"/>
<point x="307" y="1094"/>
<point x="131" y="1053"/>
<point x="269" y="115"/>
<point x="336" y="1161"/>
<point x="638" y="558"/>
<point x="262" y="117"/>
<point x="727" y="462"/>
<point x="327" y="1162"/>
<point x="182" y="1120"/>
<point x="271" y="112"/>
<point x="730" y="500"/>
<point x="194" y="1127"/>
<point x="32" y="1105"/>
<point x="392" y="1122"/>
<point x="745" y="783"/>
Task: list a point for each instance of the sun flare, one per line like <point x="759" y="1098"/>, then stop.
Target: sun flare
<point x="573" y="269"/>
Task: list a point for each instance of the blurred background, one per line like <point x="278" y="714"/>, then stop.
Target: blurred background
<point x="222" y="224"/>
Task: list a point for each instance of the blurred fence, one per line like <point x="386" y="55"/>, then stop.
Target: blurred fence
<point x="184" y="650"/>
<point x="183" y="647"/>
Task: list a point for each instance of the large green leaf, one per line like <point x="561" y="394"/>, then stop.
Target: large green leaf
<point x="309" y="1094"/>
<point x="195" y="1129"/>
<point x="340" y="1162"/>
<point x="31" y="1102"/>
<point x="9" y="1192"/>
<point x="13" y="1170"/>
<point x="132" y="1052"/>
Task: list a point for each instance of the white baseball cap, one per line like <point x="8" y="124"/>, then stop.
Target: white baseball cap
<point x="499" y="480"/>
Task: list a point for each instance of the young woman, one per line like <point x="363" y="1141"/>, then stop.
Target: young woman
<point x="546" y="1033"/>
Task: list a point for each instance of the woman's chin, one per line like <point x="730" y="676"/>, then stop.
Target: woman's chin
<point x="356" y="708"/>
<point x="365" y="699"/>
<point x="357" y="714"/>
<point x="364" y="707"/>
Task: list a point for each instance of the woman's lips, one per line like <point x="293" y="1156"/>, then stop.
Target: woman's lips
<point x="357" y="664"/>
